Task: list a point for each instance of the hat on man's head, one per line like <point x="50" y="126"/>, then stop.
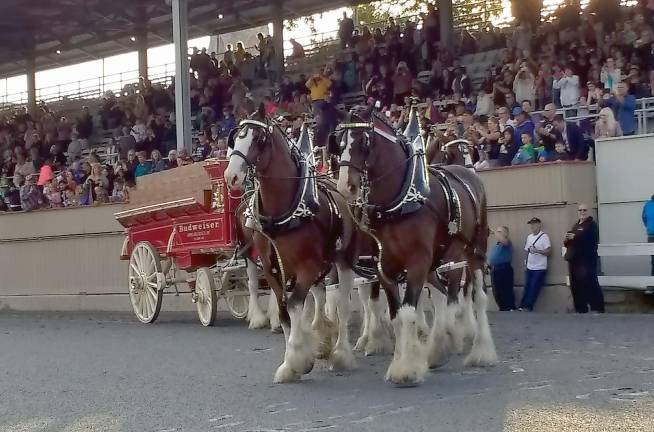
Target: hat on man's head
<point x="516" y="111"/>
<point x="533" y="220"/>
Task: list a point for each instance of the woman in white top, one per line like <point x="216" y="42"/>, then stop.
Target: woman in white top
<point x="606" y="125"/>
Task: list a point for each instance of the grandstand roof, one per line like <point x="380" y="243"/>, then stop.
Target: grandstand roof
<point x="64" y="32"/>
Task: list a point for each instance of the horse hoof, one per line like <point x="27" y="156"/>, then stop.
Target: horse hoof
<point x="406" y="373"/>
<point x="379" y="346"/>
<point x="342" y="360"/>
<point x="276" y="329"/>
<point x="481" y="357"/>
<point x="361" y="343"/>
<point x="285" y="374"/>
<point x="258" y="321"/>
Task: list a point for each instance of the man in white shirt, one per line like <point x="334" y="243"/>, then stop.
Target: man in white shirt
<point x="538" y="248"/>
<point x="569" y="86"/>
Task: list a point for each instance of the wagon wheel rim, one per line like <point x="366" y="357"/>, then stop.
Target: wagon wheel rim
<point x="207" y="296"/>
<point x="145" y="290"/>
<point x="237" y="298"/>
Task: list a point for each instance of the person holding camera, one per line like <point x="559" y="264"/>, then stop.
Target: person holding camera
<point x="581" y="253"/>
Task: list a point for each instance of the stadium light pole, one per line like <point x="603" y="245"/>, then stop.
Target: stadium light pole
<point x="182" y="79"/>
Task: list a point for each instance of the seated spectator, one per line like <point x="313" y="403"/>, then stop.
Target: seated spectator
<point x="31" y="197"/>
<point x="183" y="158"/>
<point x="572" y="137"/>
<point x="526" y="153"/>
<point x="508" y="148"/>
<point x="143" y="167"/>
<point x="76" y="146"/>
<point x="228" y="123"/>
<point x="120" y="191"/>
<point x="546" y="130"/>
<point x="606" y="125"/>
<point x="624" y="108"/>
<point x="219" y="149"/>
<point x="172" y="159"/>
<point x="158" y="164"/>
<point x="23" y="166"/>
<point x="298" y="49"/>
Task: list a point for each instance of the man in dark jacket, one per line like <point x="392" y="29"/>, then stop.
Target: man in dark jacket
<point x="581" y="243"/>
<point x="572" y="137"/>
<point x="345" y="30"/>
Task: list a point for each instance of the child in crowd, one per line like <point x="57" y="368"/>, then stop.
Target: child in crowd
<point x="53" y="194"/>
<point x="526" y="153"/>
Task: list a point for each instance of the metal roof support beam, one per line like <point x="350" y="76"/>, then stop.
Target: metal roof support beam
<point x="142" y="50"/>
<point x="278" y="37"/>
<point x="446" y="15"/>
<point x="30" y="70"/>
<point x="182" y="79"/>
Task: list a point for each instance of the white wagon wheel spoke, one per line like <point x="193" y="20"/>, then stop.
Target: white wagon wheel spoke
<point x="145" y="293"/>
<point x="207" y="296"/>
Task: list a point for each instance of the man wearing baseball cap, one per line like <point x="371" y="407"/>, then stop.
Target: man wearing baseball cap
<point x="538" y="247"/>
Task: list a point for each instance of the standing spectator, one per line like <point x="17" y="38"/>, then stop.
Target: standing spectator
<point x="228" y="56"/>
<point x="624" y="107"/>
<point x="538" y="248"/>
<point x="239" y="54"/>
<point x="610" y="76"/>
<point x="401" y="83"/>
<point x="572" y="137"/>
<point x="581" y="253"/>
<point x="524" y="85"/>
<point x="606" y="126"/>
<point x="298" y="49"/>
<point x="318" y="86"/>
<point x="461" y="83"/>
<point x="569" y="86"/>
<point x="501" y="270"/>
<point x="548" y="133"/>
<point x="345" y="30"/>
<point x="648" y="221"/>
<point x="524" y="125"/>
<point x="85" y="124"/>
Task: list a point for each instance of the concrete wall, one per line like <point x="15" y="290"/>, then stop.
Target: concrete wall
<point x="64" y="259"/>
<point x="625" y="180"/>
<point x="550" y="192"/>
<point x="68" y="259"/>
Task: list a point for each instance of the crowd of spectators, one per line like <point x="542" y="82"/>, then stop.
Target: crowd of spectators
<point x="46" y="160"/>
<point x="598" y="59"/>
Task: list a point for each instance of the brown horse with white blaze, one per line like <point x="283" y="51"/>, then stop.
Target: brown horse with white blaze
<point x="301" y="251"/>
<point x="375" y="164"/>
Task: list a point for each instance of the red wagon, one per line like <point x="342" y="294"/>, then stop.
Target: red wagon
<point x="179" y="227"/>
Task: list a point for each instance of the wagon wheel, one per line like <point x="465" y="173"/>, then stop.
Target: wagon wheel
<point x="146" y="283"/>
<point x="237" y="297"/>
<point x="207" y="296"/>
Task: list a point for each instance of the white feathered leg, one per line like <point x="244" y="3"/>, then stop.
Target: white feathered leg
<point x="300" y="351"/>
<point x="364" y="295"/>
<point x="273" y="313"/>
<point x="483" y="348"/>
<point x="325" y="329"/>
<point x="256" y="317"/>
<point x="342" y="357"/>
<point x="423" y="328"/>
<point x="409" y="364"/>
<point x="439" y="342"/>
<point x="379" y="329"/>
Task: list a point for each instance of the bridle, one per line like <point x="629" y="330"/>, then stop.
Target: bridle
<point x="267" y="129"/>
<point x="367" y="128"/>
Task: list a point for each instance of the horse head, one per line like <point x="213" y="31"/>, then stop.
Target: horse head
<point x="251" y="143"/>
<point x="357" y="137"/>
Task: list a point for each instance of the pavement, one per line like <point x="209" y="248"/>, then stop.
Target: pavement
<point x="107" y="372"/>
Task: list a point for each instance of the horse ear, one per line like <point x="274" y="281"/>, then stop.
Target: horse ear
<point x="261" y="111"/>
